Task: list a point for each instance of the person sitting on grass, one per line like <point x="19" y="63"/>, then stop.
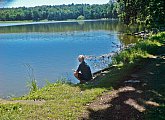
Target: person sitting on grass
<point x="83" y="73"/>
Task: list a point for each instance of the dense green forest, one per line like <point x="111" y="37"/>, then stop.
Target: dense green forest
<point x="149" y="12"/>
<point x="60" y="12"/>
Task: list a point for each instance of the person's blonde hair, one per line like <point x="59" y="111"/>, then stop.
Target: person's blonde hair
<point x="81" y="57"/>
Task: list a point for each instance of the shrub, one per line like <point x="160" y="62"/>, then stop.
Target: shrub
<point x="140" y="50"/>
<point x="80" y="17"/>
<point x="128" y="56"/>
<point x="160" y="37"/>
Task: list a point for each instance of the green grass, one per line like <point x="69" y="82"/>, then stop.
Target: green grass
<point x="142" y="49"/>
<point x="10" y="112"/>
<point x="129" y="56"/>
<point x="66" y="101"/>
<point x="63" y="101"/>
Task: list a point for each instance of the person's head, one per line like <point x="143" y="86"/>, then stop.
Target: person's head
<point x="81" y="58"/>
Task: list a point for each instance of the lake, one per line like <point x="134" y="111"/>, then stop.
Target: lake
<point x="50" y="50"/>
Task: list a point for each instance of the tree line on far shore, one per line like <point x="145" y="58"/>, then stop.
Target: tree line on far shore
<point x="148" y="12"/>
<point x="60" y="12"/>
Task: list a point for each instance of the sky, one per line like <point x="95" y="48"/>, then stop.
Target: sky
<point x="32" y="3"/>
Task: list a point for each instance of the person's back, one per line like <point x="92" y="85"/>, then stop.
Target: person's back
<point x="83" y="73"/>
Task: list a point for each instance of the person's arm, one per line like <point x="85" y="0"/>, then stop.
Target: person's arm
<point x="78" y="69"/>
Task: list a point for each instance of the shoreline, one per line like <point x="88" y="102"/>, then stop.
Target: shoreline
<point x="18" y="23"/>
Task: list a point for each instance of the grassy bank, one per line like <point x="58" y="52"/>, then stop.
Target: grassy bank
<point x="62" y="101"/>
<point x="142" y="49"/>
<point x="67" y="101"/>
<point x="149" y="56"/>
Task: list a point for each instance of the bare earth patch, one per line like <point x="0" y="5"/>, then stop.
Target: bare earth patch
<point x="129" y="101"/>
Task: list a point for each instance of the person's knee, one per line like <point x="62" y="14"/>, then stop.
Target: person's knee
<point x="75" y="74"/>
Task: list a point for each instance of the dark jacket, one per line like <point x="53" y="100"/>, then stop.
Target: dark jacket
<point x="85" y="70"/>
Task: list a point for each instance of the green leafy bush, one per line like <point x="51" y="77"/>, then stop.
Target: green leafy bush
<point x="80" y="17"/>
<point x="141" y="50"/>
<point x="128" y="55"/>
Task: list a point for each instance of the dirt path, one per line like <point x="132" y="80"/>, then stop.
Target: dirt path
<point x="133" y="97"/>
<point x="117" y="105"/>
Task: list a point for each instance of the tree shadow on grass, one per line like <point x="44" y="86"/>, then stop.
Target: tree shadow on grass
<point x="119" y="108"/>
<point x="146" y="101"/>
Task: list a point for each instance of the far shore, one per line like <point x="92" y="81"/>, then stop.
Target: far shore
<point x="30" y="22"/>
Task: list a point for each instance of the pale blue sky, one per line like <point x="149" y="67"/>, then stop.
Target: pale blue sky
<point x="32" y="3"/>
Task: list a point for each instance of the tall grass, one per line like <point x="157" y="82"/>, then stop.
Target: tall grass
<point x="32" y="83"/>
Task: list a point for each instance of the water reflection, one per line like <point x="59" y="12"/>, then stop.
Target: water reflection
<point x="62" y="27"/>
<point x="109" y="25"/>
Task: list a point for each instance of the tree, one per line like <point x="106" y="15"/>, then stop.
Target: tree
<point x="35" y="15"/>
<point x="150" y="12"/>
<point x="59" y="12"/>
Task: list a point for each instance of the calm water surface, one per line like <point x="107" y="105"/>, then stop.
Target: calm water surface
<point x="51" y="50"/>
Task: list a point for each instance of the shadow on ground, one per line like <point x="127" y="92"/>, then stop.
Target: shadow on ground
<point x="139" y="96"/>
